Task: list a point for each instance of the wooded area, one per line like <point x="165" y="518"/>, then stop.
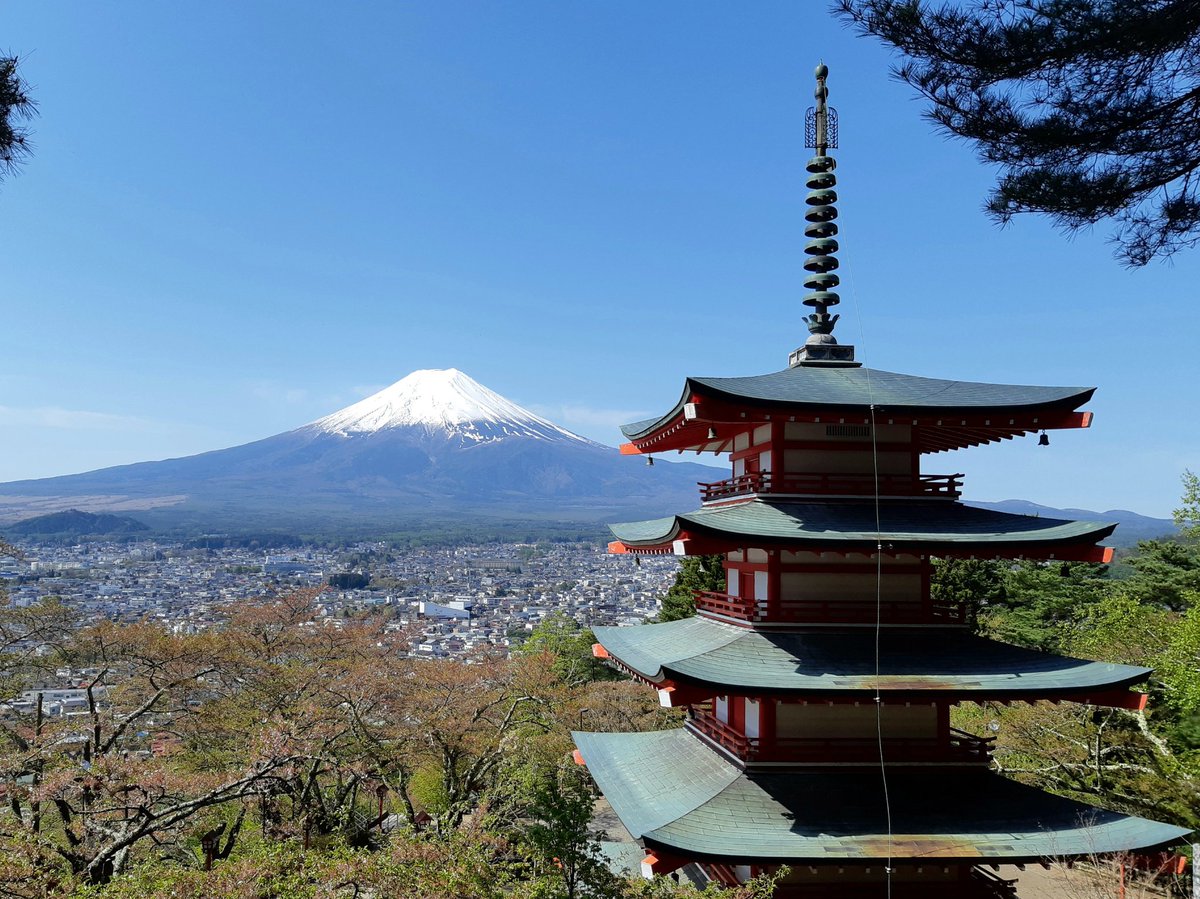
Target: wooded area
<point x="303" y="756"/>
<point x="299" y="756"/>
<point x="1143" y="610"/>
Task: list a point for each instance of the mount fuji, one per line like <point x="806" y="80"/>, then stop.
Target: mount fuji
<point x="442" y="404"/>
<point x="436" y="448"/>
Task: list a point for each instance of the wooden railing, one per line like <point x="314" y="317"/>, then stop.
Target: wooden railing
<point x="971" y="747"/>
<point x="847" y="611"/>
<point x="961" y="746"/>
<point x="728" y="605"/>
<point x="944" y="485"/>
<point x="948" y="612"/>
<point x="920" y="888"/>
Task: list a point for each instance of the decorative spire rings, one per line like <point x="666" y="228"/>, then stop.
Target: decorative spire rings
<point x="821" y="134"/>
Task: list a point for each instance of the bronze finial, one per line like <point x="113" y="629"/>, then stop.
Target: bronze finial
<point x="821" y="133"/>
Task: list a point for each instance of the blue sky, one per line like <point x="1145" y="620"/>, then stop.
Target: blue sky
<point x="243" y="215"/>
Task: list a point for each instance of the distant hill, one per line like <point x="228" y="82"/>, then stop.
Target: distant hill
<point x="1132" y="526"/>
<point x="74" y="523"/>
<point x="434" y="450"/>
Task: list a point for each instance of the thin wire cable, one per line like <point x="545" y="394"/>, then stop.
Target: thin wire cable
<point x="887" y="803"/>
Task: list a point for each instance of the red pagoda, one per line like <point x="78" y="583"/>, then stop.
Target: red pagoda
<point x="818" y="686"/>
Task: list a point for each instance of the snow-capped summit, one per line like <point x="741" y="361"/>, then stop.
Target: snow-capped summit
<point x="433" y="449"/>
<point x="441" y="401"/>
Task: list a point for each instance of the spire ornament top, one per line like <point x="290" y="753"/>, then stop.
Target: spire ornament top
<point x="821" y="133"/>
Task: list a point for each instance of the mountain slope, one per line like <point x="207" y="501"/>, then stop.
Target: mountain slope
<point x="1132" y="527"/>
<point x="433" y="445"/>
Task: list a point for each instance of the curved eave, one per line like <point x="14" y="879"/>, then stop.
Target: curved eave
<point x="716" y="658"/>
<point x="674" y="793"/>
<point x="904" y="526"/>
<point x="950" y="414"/>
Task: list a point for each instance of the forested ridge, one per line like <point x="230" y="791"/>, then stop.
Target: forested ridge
<point x="286" y="755"/>
<point x="1142" y="610"/>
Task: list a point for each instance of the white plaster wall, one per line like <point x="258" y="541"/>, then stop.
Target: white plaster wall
<point x="751" y="718"/>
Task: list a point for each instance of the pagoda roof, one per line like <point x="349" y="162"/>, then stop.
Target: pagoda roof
<point x="675" y="793"/>
<point x="700" y="651"/>
<point x="964" y="413"/>
<point x="912" y="525"/>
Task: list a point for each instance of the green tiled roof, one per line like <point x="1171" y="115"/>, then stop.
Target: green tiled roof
<point x="947" y="660"/>
<point x="646" y="795"/>
<point x="859" y="388"/>
<point x="675" y="793"/>
<point x="913" y="523"/>
<point x="623" y="859"/>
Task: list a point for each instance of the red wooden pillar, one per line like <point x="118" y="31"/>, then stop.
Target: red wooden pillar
<point x="774" y="582"/>
<point x="746" y="590"/>
<point x="737" y="713"/>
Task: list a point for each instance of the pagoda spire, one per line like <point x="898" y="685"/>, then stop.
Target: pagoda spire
<point x="820" y="126"/>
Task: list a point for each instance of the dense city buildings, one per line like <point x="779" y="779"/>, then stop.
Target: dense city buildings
<point x="456" y="599"/>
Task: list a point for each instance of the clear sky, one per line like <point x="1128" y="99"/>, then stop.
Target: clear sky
<point x="241" y="216"/>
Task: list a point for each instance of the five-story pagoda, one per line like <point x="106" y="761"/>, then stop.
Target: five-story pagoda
<point x="818" y="686"/>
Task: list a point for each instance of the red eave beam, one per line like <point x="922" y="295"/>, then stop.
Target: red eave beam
<point x="694" y="546"/>
<point x="1160" y="863"/>
<point x="658" y="862"/>
<point x="932" y="435"/>
<point x="1100" y="554"/>
<point x="672" y="696"/>
<point x="697" y="415"/>
<point x="1072" y="553"/>
<point x="1071" y="420"/>
<point x="616" y="547"/>
<point x="684" y="544"/>
<point x="1113" y="699"/>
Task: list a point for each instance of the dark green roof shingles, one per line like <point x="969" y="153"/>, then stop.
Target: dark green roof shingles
<point x="673" y="792"/>
<point x="900" y="522"/>
<point x="699" y="650"/>
<point x="889" y="392"/>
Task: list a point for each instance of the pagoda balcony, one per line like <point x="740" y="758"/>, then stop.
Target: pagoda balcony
<point x="980" y="885"/>
<point x="819" y="611"/>
<point x="960" y="748"/>
<point x="948" y="486"/>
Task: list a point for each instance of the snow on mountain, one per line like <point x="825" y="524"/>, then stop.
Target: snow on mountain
<point x="441" y="400"/>
<point x="431" y="450"/>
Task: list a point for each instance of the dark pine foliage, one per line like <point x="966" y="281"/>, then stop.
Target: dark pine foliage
<point x="16" y="106"/>
<point x="1090" y="108"/>
<point x="695" y="573"/>
<point x="976" y="585"/>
